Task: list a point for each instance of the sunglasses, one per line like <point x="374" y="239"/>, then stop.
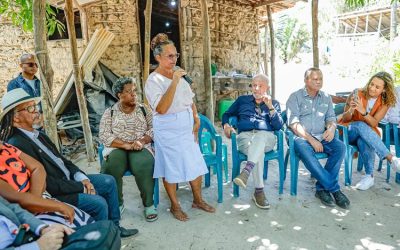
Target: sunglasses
<point x="31" y="109"/>
<point x="31" y="64"/>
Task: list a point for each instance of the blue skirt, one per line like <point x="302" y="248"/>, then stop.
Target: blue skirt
<point x="177" y="155"/>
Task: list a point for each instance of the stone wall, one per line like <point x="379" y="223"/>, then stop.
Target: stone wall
<point x="234" y="39"/>
<point x="120" y="17"/>
<point x="14" y="42"/>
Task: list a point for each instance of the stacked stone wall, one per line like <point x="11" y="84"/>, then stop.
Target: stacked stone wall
<point x="16" y="42"/>
<point x="234" y="40"/>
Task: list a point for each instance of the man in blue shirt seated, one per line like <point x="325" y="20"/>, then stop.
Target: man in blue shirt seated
<point x="13" y="219"/>
<point x="313" y="121"/>
<point x="258" y="116"/>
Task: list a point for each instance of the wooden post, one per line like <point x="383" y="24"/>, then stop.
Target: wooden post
<point x="314" y="15"/>
<point x="266" y="71"/>
<point x="84" y="26"/>
<point x="379" y="24"/>
<point x="272" y="39"/>
<point x="40" y="36"/>
<point x="207" y="61"/>
<point x="147" y="40"/>
<point x="393" y="20"/>
<point x="366" y="23"/>
<point x="45" y="69"/>
<point x="69" y="15"/>
<point x="355" y="26"/>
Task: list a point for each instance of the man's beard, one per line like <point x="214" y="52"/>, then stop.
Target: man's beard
<point x="36" y="125"/>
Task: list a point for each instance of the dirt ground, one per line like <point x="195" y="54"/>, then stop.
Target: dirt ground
<point x="300" y="222"/>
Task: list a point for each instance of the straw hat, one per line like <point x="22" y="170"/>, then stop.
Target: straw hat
<point x="13" y="98"/>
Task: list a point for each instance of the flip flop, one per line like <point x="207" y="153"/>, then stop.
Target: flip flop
<point x="204" y="206"/>
<point x="150" y="213"/>
<point x="179" y="214"/>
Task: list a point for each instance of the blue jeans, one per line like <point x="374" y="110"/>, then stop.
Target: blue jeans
<point x="368" y="143"/>
<point x="103" y="205"/>
<point x="328" y="176"/>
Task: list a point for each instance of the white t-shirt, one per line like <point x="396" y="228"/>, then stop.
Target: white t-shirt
<point x="157" y="85"/>
<point x="31" y="83"/>
<point x="371" y="103"/>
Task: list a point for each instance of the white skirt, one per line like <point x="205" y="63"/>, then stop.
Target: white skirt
<point x="177" y="155"/>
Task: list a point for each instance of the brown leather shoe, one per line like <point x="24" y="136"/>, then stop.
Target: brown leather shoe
<point x="241" y="179"/>
<point x="260" y="200"/>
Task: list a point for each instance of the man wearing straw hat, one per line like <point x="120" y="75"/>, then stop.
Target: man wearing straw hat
<point x="95" y="194"/>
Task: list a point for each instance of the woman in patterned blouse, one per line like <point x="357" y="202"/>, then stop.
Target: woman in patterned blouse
<point x="127" y="133"/>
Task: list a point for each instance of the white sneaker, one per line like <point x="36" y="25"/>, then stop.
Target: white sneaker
<point x="366" y="182"/>
<point x="396" y="163"/>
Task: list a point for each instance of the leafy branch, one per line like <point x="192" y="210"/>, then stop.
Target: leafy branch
<point x="21" y="14"/>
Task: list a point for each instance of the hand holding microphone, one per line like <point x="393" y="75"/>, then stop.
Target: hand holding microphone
<point x="179" y="72"/>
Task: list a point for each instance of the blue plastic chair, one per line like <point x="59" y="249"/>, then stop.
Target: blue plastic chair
<point x="238" y="157"/>
<point x="388" y="130"/>
<point x="211" y="157"/>
<point x="206" y="144"/>
<point x="156" y="195"/>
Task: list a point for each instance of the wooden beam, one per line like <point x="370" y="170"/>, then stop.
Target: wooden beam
<point x="272" y="39"/>
<point x="366" y="23"/>
<point x="266" y="71"/>
<point x="207" y="61"/>
<point x="355" y="26"/>
<point x="147" y="39"/>
<point x="380" y="23"/>
<point x="69" y="15"/>
<point x="84" y="26"/>
<point x="267" y="2"/>
<point x="45" y="69"/>
<point x="314" y="15"/>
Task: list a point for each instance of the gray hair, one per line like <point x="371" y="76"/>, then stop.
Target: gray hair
<point x="119" y="85"/>
<point x="159" y="47"/>
<point x="261" y="77"/>
<point x="309" y="71"/>
<point x="25" y="57"/>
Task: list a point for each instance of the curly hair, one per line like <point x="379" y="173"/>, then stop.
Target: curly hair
<point x="389" y="93"/>
<point x="158" y="42"/>
<point x="119" y="85"/>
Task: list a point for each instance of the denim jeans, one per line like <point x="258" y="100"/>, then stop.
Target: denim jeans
<point x="368" y="143"/>
<point x="103" y="205"/>
<point x="328" y="176"/>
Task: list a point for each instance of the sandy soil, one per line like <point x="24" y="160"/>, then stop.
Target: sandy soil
<point x="300" y="222"/>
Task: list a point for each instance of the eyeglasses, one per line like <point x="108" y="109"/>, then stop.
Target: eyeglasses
<point x="173" y="56"/>
<point x="31" y="109"/>
<point x="31" y="64"/>
<point x="131" y="91"/>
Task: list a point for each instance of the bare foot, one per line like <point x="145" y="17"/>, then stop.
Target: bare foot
<point x="179" y="214"/>
<point x="203" y="206"/>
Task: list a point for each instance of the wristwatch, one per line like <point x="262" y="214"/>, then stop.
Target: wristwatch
<point x="366" y="113"/>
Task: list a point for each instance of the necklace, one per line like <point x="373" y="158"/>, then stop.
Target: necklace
<point x="126" y="110"/>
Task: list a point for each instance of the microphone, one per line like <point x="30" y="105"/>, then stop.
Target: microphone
<point x="186" y="77"/>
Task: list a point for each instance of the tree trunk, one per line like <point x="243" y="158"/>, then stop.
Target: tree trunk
<point x="314" y="15"/>
<point x="147" y="40"/>
<point x="393" y="21"/>
<point x="40" y="36"/>
<point x="45" y="70"/>
<point x="69" y="15"/>
<point x="272" y="38"/>
<point x="207" y="61"/>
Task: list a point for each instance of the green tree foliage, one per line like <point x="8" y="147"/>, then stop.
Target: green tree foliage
<point x="291" y="37"/>
<point x="20" y="13"/>
<point x="361" y="3"/>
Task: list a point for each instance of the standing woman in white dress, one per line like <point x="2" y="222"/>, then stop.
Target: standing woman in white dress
<point x="175" y="125"/>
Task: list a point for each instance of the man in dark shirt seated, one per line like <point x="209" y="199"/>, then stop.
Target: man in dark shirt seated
<point x="258" y="116"/>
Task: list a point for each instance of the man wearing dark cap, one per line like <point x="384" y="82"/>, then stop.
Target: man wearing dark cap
<point x="27" y="79"/>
